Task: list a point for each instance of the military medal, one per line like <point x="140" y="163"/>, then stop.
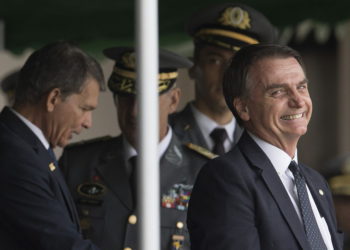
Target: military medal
<point x="177" y="242"/>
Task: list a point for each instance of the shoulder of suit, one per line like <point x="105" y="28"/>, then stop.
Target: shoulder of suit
<point x="200" y="150"/>
<point x="90" y="142"/>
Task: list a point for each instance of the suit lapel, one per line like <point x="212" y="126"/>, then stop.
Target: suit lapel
<point x="268" y="173"/>
<point x="19" y="128"/>
<point x="67" y="196"/>
<point x="113" y="170"/>
<point x="322" y="203"/>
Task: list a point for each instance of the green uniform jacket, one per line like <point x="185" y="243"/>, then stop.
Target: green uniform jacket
<point x="96" y="174"/>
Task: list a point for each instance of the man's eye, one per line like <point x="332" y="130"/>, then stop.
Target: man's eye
<point x="302" y="86"/>
<point x="215" y="61"/>
<point x="276" y="92"/>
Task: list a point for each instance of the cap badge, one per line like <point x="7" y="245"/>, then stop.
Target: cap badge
<point x="127" y="86"/>
<point x="235" y="17"/>
<point x="128" y="60"/>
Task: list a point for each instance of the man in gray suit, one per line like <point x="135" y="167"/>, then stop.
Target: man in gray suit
<point x="218" y="33"/>
<point x="100" y="173"/>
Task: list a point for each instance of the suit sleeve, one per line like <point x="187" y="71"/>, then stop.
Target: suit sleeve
<point x="30" y="207"/>
<point x="221" y="210"/>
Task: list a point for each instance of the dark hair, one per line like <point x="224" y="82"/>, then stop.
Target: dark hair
<point x="236" y="75"/>
<point x="57" y="65"/>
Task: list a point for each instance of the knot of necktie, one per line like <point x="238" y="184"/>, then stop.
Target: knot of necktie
<point x="293" y="166"/>
<point x="219" y="135"/>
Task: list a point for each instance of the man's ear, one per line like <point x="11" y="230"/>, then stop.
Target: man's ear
<point x="242" y="109"/>
<point x="175" y="95"/>
<point x="52" y="99"/>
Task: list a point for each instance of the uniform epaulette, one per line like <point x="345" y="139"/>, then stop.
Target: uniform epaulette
<point x="89" y="141"/>
<point x="202" y="151"/>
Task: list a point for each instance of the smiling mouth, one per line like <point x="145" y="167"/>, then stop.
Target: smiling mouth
<point x="292" y="117"/>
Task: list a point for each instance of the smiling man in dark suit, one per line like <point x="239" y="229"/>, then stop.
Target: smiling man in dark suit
<point x="57" y="89"/>
<point x="257" y="196"/>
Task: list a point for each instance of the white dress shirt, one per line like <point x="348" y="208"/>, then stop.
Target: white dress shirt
<point x="36" y="130"/>
<point x="130" y="151"/>
<point x="207" y="125"/>
<point x="280" y="161"/>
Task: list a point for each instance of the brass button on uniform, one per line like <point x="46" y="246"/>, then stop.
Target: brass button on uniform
<point x="132" y="219"/>
<point x="179" y="225"/>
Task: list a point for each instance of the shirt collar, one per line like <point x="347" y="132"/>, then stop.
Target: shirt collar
<point x="36" y="130"/>
<point x="207" y="125"/>
<point x="279" y="159"/>
<point x="130" y="151"/>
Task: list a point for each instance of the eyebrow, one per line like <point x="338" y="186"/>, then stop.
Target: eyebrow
<point x="281" y="85"/>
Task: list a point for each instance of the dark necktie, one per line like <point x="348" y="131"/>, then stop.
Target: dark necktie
<point x="310" y="225"/>
<point x="53" y="156"/>
<point x="133" y="178"/>
<point x="219" y="136"/>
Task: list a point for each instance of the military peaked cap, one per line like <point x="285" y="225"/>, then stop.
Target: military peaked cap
<point x="123" y="77"/>
<point x="231" y="26"/>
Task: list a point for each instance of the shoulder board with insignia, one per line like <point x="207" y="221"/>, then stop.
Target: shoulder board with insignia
<point x="85" y="142"/>
<point x="202" y="151"/>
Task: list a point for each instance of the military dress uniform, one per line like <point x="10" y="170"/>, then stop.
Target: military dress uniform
<point x="226" y="26"/>
<point x="338" y="177"/>
<point x="100" y="173"/>
<point x="96" y="174"/>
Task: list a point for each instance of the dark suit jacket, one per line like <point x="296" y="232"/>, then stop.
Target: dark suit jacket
<point x="239" y="202"/>
<point x="36" y="211"/>
<point x="105" y="215"/>
<point x="187" y="130"/>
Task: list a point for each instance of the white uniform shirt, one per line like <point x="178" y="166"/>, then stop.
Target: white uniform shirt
<point x="207" y="125"/>
<point x="130" y="151"/>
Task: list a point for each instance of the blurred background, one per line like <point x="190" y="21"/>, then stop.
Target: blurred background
<point x="319" y="30"/>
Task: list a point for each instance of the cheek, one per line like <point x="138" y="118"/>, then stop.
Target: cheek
<point x="77" y="118"/>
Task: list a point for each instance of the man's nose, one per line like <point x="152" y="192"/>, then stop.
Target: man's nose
<point x="296" y="99"/>
<point x="87" y="122"/>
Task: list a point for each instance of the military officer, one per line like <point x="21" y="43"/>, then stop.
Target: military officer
<point x="100" y="172"/>
<point x="218" y="33"/>
<point x="338" y="177"/>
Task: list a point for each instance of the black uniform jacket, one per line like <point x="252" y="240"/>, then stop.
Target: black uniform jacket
<point x="36" y="209"/>
<point x="187" y="130"/>
<point x="247" y="206"/>
<point x="96" y="175"/>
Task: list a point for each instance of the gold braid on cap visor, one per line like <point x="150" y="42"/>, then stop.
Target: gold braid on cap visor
<point x="126" y="81"/>
<point x="226" y="33"/>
